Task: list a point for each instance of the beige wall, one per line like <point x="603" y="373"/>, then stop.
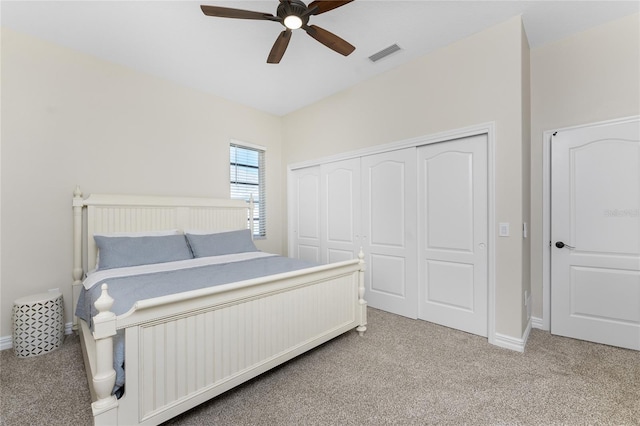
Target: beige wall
<point x="588" y="77"/>
<point x="476" y="80"/>
<point x="66" y="115"/>
<point x="69" y="118"/>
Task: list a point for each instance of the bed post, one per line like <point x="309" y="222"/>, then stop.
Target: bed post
<point x="104" y="328"/>
<point x="362" y="303"/>
<point x="77" y="247"/>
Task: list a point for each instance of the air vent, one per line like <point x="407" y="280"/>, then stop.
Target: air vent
<point x="384" y="52"/>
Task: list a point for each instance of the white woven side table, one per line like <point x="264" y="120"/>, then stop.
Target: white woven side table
<point x="38" y="324"/>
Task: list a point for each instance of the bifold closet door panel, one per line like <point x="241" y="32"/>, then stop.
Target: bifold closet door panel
<point x="340" y="210"/>
<point x="453" y="232"/>
<point x="389" y="231"/>
<point x="305" y="214"/>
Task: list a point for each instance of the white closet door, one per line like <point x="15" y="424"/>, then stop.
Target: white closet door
<point x="340" y="203"/>
<point x="389" y="231"/>
<point x="452" y="220"/>
<point x="305" y="211"/>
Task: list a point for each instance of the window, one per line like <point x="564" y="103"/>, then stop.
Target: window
<point x="247" y="179"/>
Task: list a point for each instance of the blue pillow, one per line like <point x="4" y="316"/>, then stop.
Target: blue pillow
<point x="204" y="245"/>
<point x="119" y="252"/>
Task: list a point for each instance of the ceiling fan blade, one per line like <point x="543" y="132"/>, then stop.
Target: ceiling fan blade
<point x="279" y="47"/>
<point x="330" y="40"/>
<point x="322" y="6"/>
<point x="226" y="12"/>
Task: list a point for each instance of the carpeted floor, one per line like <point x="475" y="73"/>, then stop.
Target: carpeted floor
<point x="401" y="372"/>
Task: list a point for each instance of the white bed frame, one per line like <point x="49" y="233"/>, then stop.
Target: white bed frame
<point x="185" y="349"/>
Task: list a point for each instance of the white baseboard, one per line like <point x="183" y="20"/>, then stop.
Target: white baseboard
<point x="538" y="323"/>
<point x="6" y="342"/>
<point x="513" y="343"/>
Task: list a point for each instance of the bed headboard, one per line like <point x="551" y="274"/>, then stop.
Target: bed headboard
<point x="108" y="213"/>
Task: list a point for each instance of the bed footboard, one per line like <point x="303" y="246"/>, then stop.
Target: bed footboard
<point x="183" y="352"/>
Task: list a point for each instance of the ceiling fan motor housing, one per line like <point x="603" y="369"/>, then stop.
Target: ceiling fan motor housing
<point x="293" y="7"/>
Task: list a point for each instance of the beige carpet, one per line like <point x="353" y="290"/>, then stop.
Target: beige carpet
<point x="401" y="372"/>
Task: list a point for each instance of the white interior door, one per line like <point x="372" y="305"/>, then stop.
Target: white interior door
<point x="595" y="234"/>
<point x="389" y="231"/>
<point x="305" y="226"/>
<point x="452" y="221"/>
<point x="340" y="199"/>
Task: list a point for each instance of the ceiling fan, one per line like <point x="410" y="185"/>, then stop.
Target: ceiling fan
<point x="293" y="14"/>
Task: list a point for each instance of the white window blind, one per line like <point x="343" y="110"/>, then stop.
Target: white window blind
<point x="247" y="179"/>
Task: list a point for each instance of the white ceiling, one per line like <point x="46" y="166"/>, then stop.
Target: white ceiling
<point x="227" y="57"/>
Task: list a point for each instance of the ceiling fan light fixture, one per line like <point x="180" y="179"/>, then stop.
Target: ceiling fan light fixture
<point x="293" y="22"/>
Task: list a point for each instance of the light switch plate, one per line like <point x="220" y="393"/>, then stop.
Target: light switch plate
<point x="504" y="230"/>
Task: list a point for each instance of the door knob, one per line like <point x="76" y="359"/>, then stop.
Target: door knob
<point x="560" y="244"/>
